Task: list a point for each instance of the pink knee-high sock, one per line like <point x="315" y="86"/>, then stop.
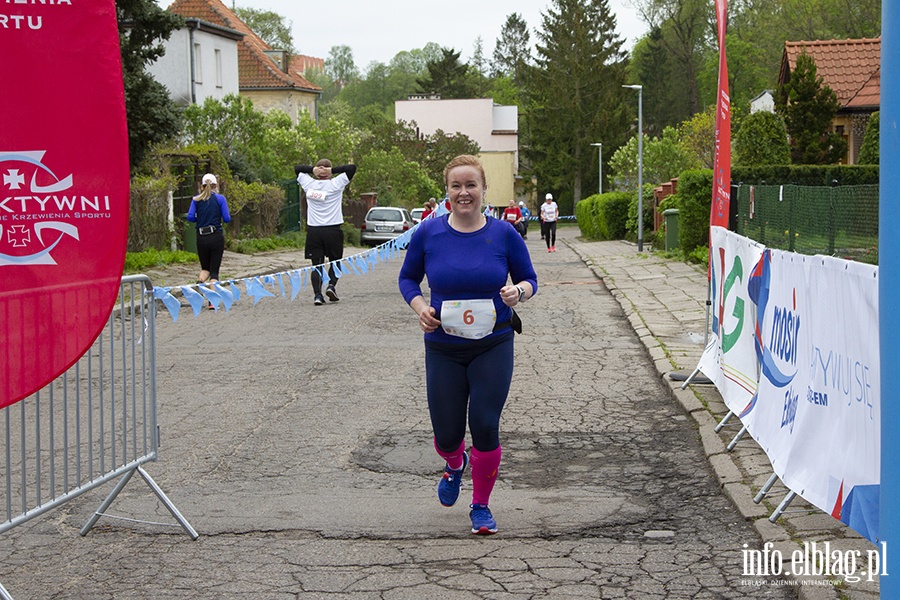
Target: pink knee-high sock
<point x="454" y="459"/>
<point x="485" y="466"/>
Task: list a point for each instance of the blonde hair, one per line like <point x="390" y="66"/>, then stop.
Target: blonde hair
<point x="465" y="160"/>
<point x="205" y="192"/>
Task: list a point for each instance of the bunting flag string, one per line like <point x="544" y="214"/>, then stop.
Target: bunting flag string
<point x="226" y="293"/>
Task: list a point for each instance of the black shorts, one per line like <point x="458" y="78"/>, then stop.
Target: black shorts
<point x="324" y="241"/>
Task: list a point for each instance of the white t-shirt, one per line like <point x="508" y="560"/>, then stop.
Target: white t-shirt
<point x="323" y="199"/>
<point x="549" y="211"/>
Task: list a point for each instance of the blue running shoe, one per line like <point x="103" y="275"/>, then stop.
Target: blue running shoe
<point x="483" y="522"/>
<point x="448" y="486"/>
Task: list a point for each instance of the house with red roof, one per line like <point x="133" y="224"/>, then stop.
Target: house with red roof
<point x="264" y="74"/>
<point x="852" y="68"/>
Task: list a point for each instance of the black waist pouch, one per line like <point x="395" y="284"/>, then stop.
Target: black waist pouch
<point x="515" y="322"/>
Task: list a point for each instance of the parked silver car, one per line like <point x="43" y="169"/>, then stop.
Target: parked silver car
<point x="384" y="223"/>
<point x="417" y="214"/>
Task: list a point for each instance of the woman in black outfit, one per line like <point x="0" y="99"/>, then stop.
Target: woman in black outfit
<point x="209" y="210"/>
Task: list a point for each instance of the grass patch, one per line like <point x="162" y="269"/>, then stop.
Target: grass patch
<point x="140" y="262"/>
<point x="293" y="239"/>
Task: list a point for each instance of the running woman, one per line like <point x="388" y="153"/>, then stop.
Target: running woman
<point x="549" y="216"/>
<point x="469" y="260"/>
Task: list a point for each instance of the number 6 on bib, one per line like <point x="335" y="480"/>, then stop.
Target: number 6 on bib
<point x="470" y="319"/>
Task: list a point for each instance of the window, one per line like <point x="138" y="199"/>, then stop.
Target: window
<point x="198" y="71"/>
<point x="218" y="68"/>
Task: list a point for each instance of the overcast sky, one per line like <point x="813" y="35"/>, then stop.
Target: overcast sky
<point x="376" y="31"/>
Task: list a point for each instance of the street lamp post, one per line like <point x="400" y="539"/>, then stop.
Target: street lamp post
<point x="599" y="167"/>
<point x="640" y="90"/>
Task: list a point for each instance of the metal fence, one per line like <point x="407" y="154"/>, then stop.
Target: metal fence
<point x="95" y="423"/>
<point x="838" y="221"/>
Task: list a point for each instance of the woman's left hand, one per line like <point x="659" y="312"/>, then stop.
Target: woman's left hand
<point x="510" y="295"/>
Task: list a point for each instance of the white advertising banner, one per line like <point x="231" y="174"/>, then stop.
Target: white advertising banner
<point x="813" y="323"/>
<point x="729" y="359"/>
<point x="818" y="413"/>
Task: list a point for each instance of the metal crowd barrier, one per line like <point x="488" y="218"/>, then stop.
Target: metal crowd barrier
<point x="95" y="423"/>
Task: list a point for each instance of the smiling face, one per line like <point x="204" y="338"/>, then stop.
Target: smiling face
<point x="465" y="187"/>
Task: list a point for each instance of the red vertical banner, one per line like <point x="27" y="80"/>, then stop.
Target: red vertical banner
<point x="721" y="193"/>
<point x="64" y="185"/>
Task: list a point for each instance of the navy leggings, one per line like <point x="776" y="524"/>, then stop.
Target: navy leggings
<point x="473" y="375"/>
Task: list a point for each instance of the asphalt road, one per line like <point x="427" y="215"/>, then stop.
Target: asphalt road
<point x="296" y="441"/>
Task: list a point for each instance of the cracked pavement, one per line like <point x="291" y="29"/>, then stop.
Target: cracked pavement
<point x="296" y="441"/>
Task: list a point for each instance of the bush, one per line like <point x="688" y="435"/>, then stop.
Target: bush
<point x="255" y="208"/>
<point x="603" y="217"/>
<point x="869" y="152"/>
<point x="351" y="235"/>
<point x="584" y="216"/>
<point x="694" y="201"/>
<point x="148" y="221"/>
<point x="612" y="211"/>
<point x="762" y="140"/>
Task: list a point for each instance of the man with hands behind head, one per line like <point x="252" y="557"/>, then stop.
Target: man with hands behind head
<point x="324" y="217"/>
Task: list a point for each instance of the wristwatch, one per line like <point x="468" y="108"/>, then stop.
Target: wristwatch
<point x="521" y="293"/>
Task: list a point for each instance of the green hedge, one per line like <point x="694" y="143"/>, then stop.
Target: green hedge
<point x="603" y="216"/>
<point x="694" y="201"/>
<point x="815" y="175"/>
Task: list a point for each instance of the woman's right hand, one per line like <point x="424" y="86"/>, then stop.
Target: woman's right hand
<point x="427" y="320"/>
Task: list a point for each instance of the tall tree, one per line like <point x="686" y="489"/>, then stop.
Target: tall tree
<point x="237" y="128"/>
<point x="688" y="35"/>
<point x="274" y="29"/>
<point x="652" y="65"/>
<point x="151" y="114"/>
<point x="340" y="65"/>
<point x="446" y="76"/>
<point x="808" y="107"/>
<point x="512" y="54"/>
<point x="478" y="63"/>
<point x="576" y="96"/>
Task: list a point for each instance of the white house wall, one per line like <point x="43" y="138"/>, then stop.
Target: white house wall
<point x="173" y="69"/>
<point x="476" y="118"/>
<point x="494" y="128"/>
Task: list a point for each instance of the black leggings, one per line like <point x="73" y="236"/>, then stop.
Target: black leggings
<point x="210" y="249"/>
<point x="548" y="229"/>
<point x="326" y="241"/>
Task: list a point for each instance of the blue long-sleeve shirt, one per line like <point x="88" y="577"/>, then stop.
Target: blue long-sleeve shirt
<point x="209" y="212"/>
<point x="465" y="266"/>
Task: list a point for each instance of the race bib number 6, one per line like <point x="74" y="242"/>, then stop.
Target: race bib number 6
<point x="470" y="319"/>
